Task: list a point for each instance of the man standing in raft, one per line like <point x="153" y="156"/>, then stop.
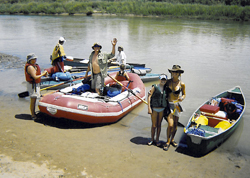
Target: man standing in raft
<point x="98" y="64"/>
<point x="33" y="77"/>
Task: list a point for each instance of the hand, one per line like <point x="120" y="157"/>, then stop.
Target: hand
<point x="180" y="99"/>
<point x="149" y="110"/>
<point x="45" y="73"/>
<point x="114" y="42"/>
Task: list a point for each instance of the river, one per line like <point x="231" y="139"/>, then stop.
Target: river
<point x="213" y="54"/>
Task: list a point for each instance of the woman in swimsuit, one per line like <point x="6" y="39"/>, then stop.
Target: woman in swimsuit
<point x="157" y="103"/>
<point x="175" y="90"/>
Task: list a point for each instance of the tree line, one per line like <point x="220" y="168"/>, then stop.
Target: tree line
<point x="238" y="10"/>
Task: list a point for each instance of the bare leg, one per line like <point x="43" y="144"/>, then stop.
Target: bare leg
<point x="169" y="131"/>
<point x="97" y="91"/>
<point x="176" y="119"/>
<point x="154" y="124"/>
<point x="32" y="106"/>
<point x="159" y="121"/>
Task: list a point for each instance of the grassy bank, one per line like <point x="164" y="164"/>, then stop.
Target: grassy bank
<point x="205" y="10"/>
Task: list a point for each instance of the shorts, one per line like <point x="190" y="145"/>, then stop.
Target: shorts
<point x="97" y="82"/>
<point x="34" y="90"/>
<point x="158" y="109"/>
<point x="174" y="110"/>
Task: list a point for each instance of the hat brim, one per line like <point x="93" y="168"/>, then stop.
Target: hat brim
<point x="179" y="71"/>
<point x="94" y="46"/>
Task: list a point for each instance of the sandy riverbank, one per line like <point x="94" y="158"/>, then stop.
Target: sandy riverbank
<point x="59" y="148"/>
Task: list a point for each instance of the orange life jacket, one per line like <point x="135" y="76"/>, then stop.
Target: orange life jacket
<point x="28" y="76"/>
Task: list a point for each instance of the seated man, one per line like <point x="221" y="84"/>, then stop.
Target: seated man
<point x="120" y="57"/>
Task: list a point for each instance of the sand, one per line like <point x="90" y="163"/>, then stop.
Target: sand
<point x="60" y="148"/>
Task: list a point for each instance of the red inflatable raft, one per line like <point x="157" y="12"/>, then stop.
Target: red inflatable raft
<point x="89" y="107"/>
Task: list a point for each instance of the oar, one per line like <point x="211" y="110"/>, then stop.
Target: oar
<point x="128" y="89"/>
<point x="26" y="93"/>
<point x="84" y="68"/>
<point x="113" y="67"/>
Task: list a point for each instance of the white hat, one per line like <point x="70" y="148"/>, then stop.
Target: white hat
<point x="62" y="39"/>
<point x="31" y="56"/>
<point x="163" y="76"/>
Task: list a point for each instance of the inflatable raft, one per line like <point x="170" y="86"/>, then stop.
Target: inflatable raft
<point x="89" y="107"/>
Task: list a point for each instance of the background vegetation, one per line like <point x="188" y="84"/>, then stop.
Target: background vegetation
<point x="202" y="9"/>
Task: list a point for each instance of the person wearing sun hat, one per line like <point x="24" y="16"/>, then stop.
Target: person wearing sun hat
<point x="57" y="57"/>
<point x="33" y="77"/>
<point x="98" y="65"/>
<point x="120" y="57"/>
<point x="157" y="104"/>
<point x="176" y="93"/>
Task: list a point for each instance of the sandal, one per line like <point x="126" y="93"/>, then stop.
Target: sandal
<point x="174" y="144"/>
<point x="158" y="144"/>
<point x="150" y="143"/>
<point x="33" y="117"/>
<point x="166" y="147"/>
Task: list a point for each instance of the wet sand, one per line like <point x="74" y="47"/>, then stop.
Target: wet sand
<point x="60" y="148"/>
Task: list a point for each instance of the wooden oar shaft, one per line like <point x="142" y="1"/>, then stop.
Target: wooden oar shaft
<point x="128" y="89"/>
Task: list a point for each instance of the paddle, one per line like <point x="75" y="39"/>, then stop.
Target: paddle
<point x="128" y="89"/>
<point x="83" y="68"/>
<point x="26" y="93"/>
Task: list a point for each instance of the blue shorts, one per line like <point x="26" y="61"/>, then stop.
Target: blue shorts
<point x="158" y="109"/>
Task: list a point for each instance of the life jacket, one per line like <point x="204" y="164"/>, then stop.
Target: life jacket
<point x="28" y="76"/>
<point x="121" y="76"/>
<point x="158" y="98"/>
<point x="59" y="54"/>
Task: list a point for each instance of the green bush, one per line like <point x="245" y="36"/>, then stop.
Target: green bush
<point x="202" y="9"/>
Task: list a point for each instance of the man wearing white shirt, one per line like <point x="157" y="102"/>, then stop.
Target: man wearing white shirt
<point x="120" y="57"/>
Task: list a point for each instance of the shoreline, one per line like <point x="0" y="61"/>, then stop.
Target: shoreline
<point x="126" y="15"/>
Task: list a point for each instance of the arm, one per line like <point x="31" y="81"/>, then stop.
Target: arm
<point x="117" y="74"/>
<point x="150" y="93"/>
<point x="126" y="75"/>
<point x="32" y="71"/>
<point x="86" y="74"/>
<point x="113" y="45"/>
<point x="183" y="89"/>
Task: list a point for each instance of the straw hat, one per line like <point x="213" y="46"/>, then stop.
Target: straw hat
<point x="97" y="45"/>
<point x="176" y="68"/>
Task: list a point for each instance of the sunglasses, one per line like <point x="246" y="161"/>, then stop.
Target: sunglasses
<point x="97" y="46"/>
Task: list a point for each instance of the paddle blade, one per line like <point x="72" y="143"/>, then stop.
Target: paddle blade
<point x="23" y="94"/>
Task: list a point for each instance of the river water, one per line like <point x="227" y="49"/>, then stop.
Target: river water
<point x="213" y="54"/>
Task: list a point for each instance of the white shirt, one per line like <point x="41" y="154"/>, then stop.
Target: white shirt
<point x="121" y="58"/>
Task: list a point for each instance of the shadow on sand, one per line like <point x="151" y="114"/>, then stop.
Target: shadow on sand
<point x="60" y="123"/>
<point x="144" y="141"/>
<point x="183" y="148"/>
